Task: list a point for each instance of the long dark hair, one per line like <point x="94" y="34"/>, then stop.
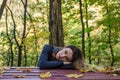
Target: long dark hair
<point x="78" y="58"/>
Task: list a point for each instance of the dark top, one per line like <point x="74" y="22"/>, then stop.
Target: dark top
<point x="45" y="61"/>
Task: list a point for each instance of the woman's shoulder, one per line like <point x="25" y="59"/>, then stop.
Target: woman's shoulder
<point x="48" y="46"/>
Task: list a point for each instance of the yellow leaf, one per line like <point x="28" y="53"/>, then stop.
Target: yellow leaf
<point x="27" y="70"/>
<point x="83" y="70"/>
<point x="113" y="75"/>
<point x="17" y="69"/>
<point x="74" y="75"/>
<point x="19" y="76"/>
<point x="100" y="69"/>
<point x="45" y="75"/>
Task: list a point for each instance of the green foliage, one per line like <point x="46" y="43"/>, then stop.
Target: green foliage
<point x="1" y="61"/>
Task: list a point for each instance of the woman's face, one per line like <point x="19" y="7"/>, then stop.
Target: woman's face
<point x="65" y="55"/>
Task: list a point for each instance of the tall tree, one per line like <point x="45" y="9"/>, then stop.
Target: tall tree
<point x="110" y="37"/>
<point x="14" y="31"/>
<point x="88" y="33"/>
<point x="23" y="35"/>
<point x="83" y="28"/>
<point x="10" y="50"/>
<point x="2" y="7"/>
<point x="55" y="23"/>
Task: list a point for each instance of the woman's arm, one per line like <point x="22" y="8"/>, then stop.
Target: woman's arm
<point x="44" y="63"/>
<point x="67" y="66"/>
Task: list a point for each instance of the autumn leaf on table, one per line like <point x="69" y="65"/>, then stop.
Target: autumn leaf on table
<point x="113" y="74"/>
<point x="45" y="75"/>
<point x="19" y="76"/>
<point x="84" y="70"/>
<point x="17" y="69"/>
<point x="27" y="70"/>
<point x="74" y="75"/>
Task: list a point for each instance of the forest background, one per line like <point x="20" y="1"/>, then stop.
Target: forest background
<point x="92" y="25"/>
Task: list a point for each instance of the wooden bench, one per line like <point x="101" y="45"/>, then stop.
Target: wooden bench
<point x="33" y="73"/>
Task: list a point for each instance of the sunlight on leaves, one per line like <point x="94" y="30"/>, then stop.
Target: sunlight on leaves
<point x="45" y="75"/>
<point x="74" y="75"/>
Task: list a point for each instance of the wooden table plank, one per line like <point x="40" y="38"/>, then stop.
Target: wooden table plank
<point x="57" y="74"/>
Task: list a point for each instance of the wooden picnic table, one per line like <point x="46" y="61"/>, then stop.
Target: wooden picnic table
<point x="33" y="73"/>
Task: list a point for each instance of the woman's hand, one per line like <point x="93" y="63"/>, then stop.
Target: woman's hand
<point x="67" y="62"/>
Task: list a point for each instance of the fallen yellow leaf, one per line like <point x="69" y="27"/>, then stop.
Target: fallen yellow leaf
<point x="84" y="70"/>
<point x="19" y="76"/>
<point x="45" y="75"/>
<point x="17" y="69"/>
<point x="27" y="70"/>
<point x="75" y="75"/>
<point x="113" y="75"/>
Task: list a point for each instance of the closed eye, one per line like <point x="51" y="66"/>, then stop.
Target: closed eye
<point x="65" y="52"/>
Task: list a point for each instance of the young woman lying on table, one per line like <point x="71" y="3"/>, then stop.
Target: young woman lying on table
<point x="68" y="57"/>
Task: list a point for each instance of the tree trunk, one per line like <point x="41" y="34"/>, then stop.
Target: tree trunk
<point x="23" y="35"/>
<point x="10" y="42"/>
<point x="88" y="34"/>
<point x="109" y="39"/>
<point x="83" y="31"/>
<point x="2" y="7"/>
<point x="55" y="24"/>
<point x="14" y="35"/>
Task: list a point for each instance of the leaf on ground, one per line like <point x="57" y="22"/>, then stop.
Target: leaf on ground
<point x="45" y="75"/>
<point x="74" y="75"/>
